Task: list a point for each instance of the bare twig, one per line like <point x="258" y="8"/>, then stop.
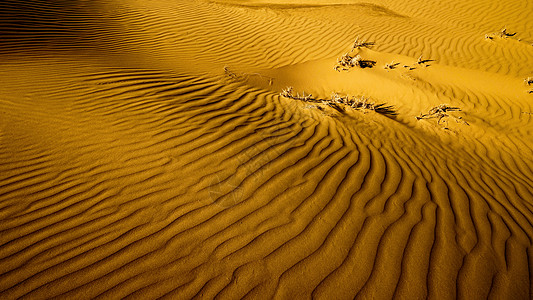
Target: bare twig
<point x="230" y="73"/>
<point x="501" y="34"/>
<point x="504" y="33"/>
<point x="391" y="65"/>
<point x="421" y="61"/>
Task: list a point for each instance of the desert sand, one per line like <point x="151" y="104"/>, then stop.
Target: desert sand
<point x="217" y="149"/>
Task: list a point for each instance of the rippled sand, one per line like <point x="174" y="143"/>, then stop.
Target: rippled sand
<point x="146" y="151"/>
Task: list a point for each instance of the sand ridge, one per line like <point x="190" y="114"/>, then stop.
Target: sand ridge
<point x="146" y="151"/>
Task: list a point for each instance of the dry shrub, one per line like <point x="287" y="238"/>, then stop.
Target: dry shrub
<point x="358" y="44"/>
<point x="343" y="103"/>
<point x="441" y="112"/>
<point x="347" y="61"/>
<point x="351" y="59"/>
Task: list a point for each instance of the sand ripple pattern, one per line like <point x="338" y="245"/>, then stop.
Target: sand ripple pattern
<point x="130" y="170"/>
<point x="180" y="186"/>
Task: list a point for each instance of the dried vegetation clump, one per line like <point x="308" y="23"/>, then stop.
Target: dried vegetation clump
<point x="351" y="59"/>
<point x="358" y="44"/>
<point x="288" y="93"/>
<point x="362" y="103"/>
<point x="342" y="103"/>
<point x="442" y="113"/>
<point x="346" y="61"/>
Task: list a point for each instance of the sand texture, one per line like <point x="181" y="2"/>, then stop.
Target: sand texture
<point x="218" y="149"/>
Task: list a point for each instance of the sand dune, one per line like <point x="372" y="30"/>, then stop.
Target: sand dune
<point x="146" y="151"/>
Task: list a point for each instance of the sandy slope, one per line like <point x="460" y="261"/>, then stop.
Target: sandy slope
<point x="132" y="164"/>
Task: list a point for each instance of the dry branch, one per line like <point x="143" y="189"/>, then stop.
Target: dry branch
<point x="501" y="34"/>
<point x="391" y="65"/>
<point x="421" y="61"/>
<point x="504" y="33"/>
<point x="230" y="73"/>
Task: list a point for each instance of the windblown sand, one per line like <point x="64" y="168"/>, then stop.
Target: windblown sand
<point x="145" y="150"/>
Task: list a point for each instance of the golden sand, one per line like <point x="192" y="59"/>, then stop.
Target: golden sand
<point x="146" y="151"/>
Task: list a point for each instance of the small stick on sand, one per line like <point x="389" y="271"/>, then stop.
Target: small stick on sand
<point x="421" y="61"/>
<point x="391" y="65"/>
<point x="501" y="34"/>
<point x="230" y="73"/>
<point x="504" y="33"/>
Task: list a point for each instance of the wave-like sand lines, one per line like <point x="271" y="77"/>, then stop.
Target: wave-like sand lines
<point x="139" y="168"/>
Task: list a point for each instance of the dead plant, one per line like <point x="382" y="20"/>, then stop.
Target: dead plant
<point x="288" y="93"/>
<point x="501" y="34"/>
<point x="421" y="61"/>
<point x="391" y="65"/>
<point x="358" y="44"/>
<point x="440" y="112"/>
<point x="346" y="61"/>
<point x="343" y="103"/>
<point x="362" y="103"/>
<point x="230" y="73"/>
